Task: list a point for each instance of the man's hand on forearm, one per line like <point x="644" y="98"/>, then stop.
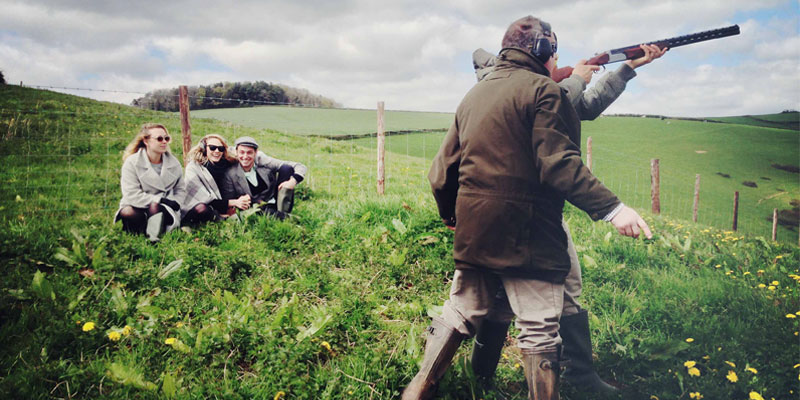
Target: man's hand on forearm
<point x="629" y="223"/>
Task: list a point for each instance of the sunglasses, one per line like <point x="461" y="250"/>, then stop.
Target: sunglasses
<point x="163" y="139"/>
<point x="212" y="147"/>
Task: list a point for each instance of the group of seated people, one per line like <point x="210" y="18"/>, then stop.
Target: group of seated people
<point x="157" y="197"/>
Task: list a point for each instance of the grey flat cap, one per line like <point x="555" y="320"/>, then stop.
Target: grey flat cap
<point x="246" y="141"/>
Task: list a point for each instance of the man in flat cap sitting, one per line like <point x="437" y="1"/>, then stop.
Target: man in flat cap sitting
<point x="268" y="181"/>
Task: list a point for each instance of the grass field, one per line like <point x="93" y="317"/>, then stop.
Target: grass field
<point x="331" y="122"/>
<point x="333" y="303"/>
<point x="623" y="148"/>
<point x="787" y="120"/>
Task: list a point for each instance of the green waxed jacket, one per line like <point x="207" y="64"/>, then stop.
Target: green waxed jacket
<point x="505" y="168"/>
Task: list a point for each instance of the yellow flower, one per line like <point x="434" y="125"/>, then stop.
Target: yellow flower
<point x="114" y="336"/>
<point x="326" y="345"/>
<point x="706" y="357"/>
<point x="761" y="285"/>
<point x="695" y="395"/>
<point x="732" y="377"/>
<point x="88" y="326"/>
<point x="170" y="341"/>
<point x="689" y="340"/>
<point x="279" y="395"/>
<point x="718" y="266"/>
<point x="796" y="366"/>
<point x="751" y="369"/>
<point x="791" y="316"/>
<point x="694" y="372"/>
<point x="746" y="273"/>
<point x="775" y="283"/>
<point x="127" y="330"/>
<point x="770" y="287"/>
<point x="654" y="397"/>
<point x="516" y="365"/>
<point x="689" y="364"/>
<point x="728" y="272"/>
<point x="731" y="364"/>
<point x="755" y="396"/>
<point x="778" y="257"/>
<point x="505" y="356"/>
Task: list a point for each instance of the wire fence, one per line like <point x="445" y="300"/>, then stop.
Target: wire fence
<point x="57" y="160"/>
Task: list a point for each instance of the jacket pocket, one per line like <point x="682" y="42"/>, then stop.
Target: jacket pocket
<point x="493" y="232"/>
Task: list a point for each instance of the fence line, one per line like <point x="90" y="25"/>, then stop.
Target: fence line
<point x="91" y="163"/>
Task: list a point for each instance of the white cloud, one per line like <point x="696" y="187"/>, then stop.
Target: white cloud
<point x="413" y="54"/>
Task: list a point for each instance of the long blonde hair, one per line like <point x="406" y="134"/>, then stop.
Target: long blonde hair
<point x="138" y="142"/>
<point x="198" y="152"/>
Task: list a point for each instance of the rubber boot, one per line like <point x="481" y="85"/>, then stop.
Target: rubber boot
<point x="285" y="200"/>
<point x="440" y="347"/>
<point x="486" y="353"/>
<point x="155" y="226"/>
<point x="541" y="372"/>
<point x="576" y="339"/>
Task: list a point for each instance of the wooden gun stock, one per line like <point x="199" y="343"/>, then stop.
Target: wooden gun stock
<point x="633" y="52"/>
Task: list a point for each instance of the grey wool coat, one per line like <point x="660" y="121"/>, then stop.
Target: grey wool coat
<point x="200" y="187"/>
<point x="235" y="183"/>
<point x="142" y="185"/>
<point x="588" y="104"/>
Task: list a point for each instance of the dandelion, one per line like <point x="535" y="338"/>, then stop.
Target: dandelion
<point x="746" y="273"/>
<point x="732" y="377"/>
<point x="654" y="397"/>
<point x="170" y="341"/>
<point x="728" y="272"/>
<point x="505" y="356"/>
<point x="694" y="372"/>
<point x="114" y="336"/>
<point x="695" y="395"/>
<point x="770" y="287"/>
<point x="791" y="316"/>
<point x="689" y="364"/>
<point x="706" y="357"/>
<point x="731" y="364"/>
<point x="761" y="285"/>
<point x="516" y="365"/>
<point x="774" y="283"/>
<point x="755" y="396"/>
<point x="279" y="395"/>
<point x="689" y="340"/>
<point x="751" y="369"/>
<point x="796" y="366"/>
<point x="127" y="330"/>
<point x="718" y="266"/>
<point x="88" y="326"/>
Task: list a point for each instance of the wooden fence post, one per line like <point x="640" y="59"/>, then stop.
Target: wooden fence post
<point x="696" y="197"/>
<point x="589" y="153"/>
<point x="186" y="128"/>
<point x="735" y="211"/>
<point x="774" y="224"/>
<point x="655" y="187"/>
<point x="381" y="150"/>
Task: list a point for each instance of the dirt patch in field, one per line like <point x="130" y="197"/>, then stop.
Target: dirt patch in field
<point x="724" y="175"/>
<point x="750" y="184"/>
<point x="701" y="151"/>
<point x="789" y="168"/>
<point x="789" y="218"/>
<point x="765" y="178"/>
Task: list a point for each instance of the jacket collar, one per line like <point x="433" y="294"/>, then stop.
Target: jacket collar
<point x="170" y="170"/>
<point x="515" y="58"/>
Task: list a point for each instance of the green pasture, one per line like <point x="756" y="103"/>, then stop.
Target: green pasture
<point x="333" y="303"/>
<point x="786" y="120"/>
<point x="326" y="121"/>
<point x="624" y="146"/>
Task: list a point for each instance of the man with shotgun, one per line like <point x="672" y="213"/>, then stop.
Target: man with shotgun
<point x="505" y="168"/>
<point x="574" y="323"/>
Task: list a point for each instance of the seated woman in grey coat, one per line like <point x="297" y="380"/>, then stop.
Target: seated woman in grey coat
<point x="205" y="168"/>
<point x="152" y="184"/>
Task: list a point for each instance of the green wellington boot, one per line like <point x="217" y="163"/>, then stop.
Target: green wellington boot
<point x="440" y="348"/>
<point x="577" y="344"/>
<point x="541" y="372"/>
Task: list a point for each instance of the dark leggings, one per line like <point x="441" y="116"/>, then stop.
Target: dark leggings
<point x="284" y="173"/>
<point x="134" y="219"/>
<point x="199" y="214"/>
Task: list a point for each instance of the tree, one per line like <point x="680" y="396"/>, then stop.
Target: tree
<point x="2" y="79"/>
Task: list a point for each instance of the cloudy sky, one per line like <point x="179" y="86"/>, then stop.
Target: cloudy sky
<point x="412" y="54"/>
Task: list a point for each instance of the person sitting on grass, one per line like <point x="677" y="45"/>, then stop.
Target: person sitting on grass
<point x="269" y="184"/>
<point x="206" y="166"/>
<point x="152" y="184"/>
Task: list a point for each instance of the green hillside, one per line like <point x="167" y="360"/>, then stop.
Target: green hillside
<point x="326" y="121"/>
<point x="784" y="120"/>
<point x="333" y="303"/>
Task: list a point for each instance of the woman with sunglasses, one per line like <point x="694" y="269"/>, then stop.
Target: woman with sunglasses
<point x="205" y="169"/>
<point x="152" y="184"/>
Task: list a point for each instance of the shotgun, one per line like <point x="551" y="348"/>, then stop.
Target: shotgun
<point x="632" y="52"/>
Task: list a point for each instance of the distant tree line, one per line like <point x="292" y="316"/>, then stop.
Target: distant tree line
<point x="230" y="95"/>
<point x="2" y="79"/>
